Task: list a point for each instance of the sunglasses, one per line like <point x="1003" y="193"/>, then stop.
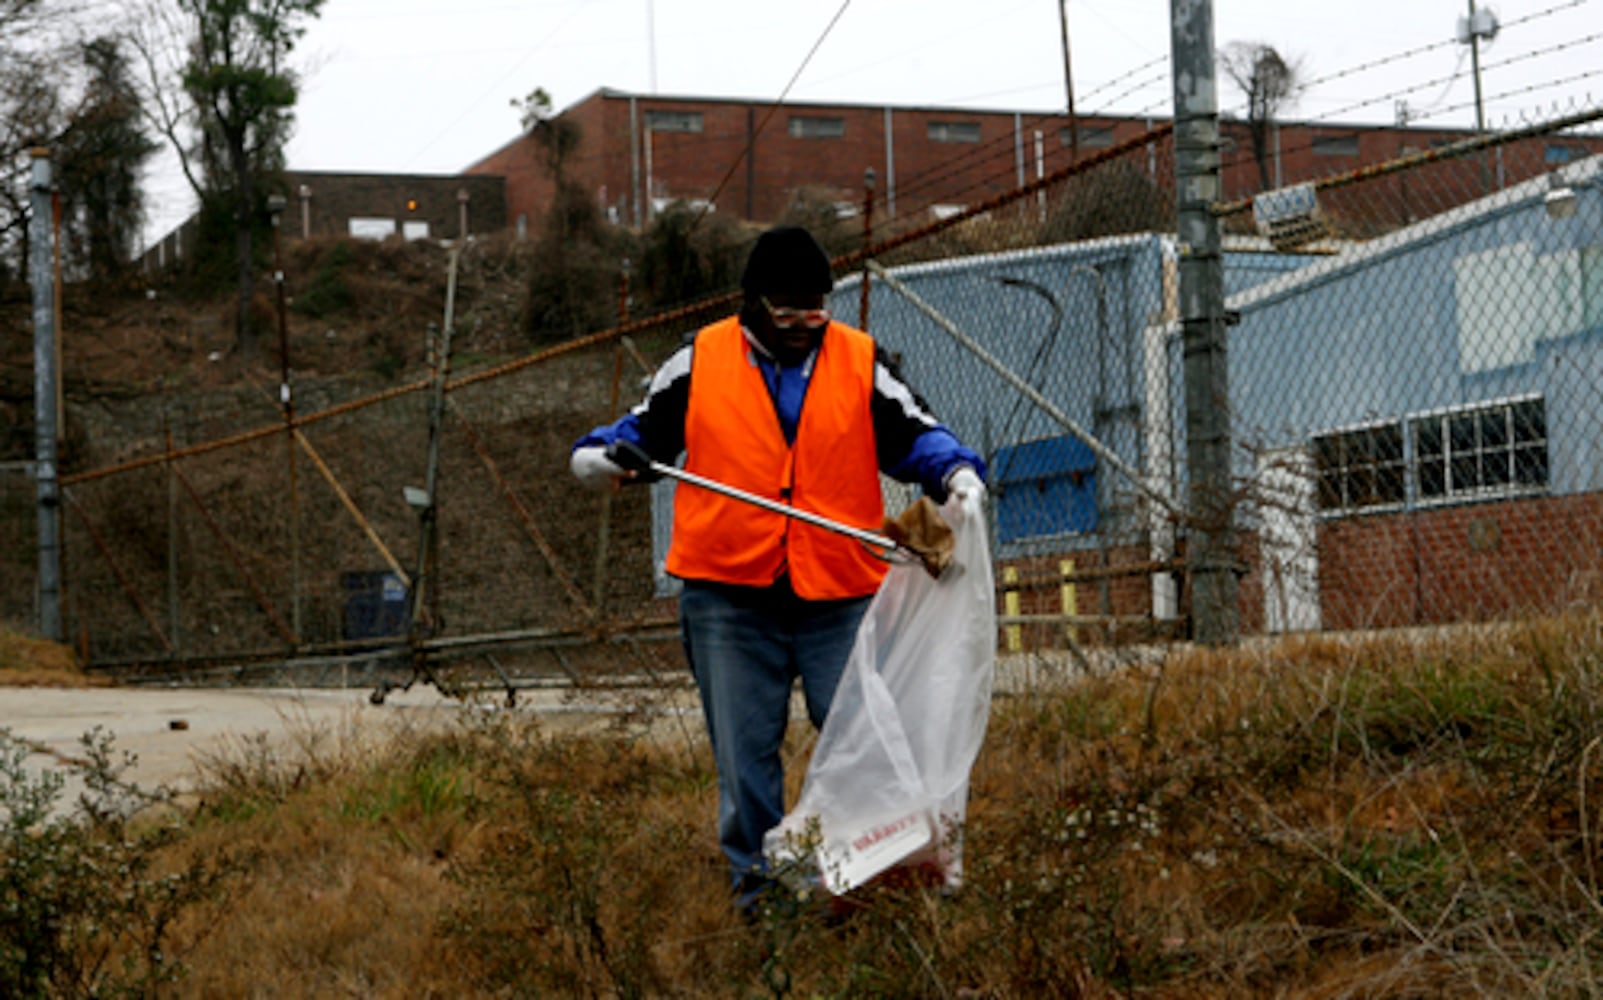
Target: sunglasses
<point x="784" y="318"/>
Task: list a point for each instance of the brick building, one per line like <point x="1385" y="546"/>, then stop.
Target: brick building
<point x="638" y="152"/>
<point x="413" y="206"/>
<point x="371" y="206"/>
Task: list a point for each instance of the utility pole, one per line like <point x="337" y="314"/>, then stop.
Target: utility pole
<point x="45" y="377"/>
<point x="1480" y="24"/>
<point x="1211" y="545"/>
<point x="1475" y="68"/>
<point x="1068" y="83"/>
<point x="651" y="44"/>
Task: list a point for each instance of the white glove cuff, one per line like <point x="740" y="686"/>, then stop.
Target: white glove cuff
<point x="592" y="466"/>
<point x="964" y="482"/>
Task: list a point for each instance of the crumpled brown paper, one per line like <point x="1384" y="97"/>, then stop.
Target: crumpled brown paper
<point x="921" y="530"/>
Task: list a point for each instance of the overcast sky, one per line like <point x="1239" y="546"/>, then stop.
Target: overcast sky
<point x="425" y="86"/>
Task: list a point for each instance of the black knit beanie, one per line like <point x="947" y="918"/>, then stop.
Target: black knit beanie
<point x="787" y="261"/>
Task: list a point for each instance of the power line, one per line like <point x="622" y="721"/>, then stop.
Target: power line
<point x="1530" y="88"/>
<point x="773" y="108"/>
<point x="994" y="150"/>
<point x="471" y="106"/>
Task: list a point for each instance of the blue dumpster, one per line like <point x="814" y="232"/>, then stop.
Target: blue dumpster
<point x="376" y="606"/>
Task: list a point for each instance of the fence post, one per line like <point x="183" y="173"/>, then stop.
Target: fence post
<point x="868" y="241"/>
<point x="424" y="582"/>
<point x="42" y="274"/>
<point x="1210" y="549"/>
<point x="276" y="204"/>
<point x="173" y="611"/>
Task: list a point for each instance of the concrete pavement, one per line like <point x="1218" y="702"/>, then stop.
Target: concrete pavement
<point x="172" y="730"/>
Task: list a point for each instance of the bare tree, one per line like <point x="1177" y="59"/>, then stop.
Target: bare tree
<point x="32" y="80"/>
<point x="1269" y="82"/>
<point x="217" y="84"/>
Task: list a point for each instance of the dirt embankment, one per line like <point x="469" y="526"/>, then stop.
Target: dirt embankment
<point x="358" y="314"/>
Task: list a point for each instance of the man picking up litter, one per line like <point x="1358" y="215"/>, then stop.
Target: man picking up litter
<point x="782" y="402"/>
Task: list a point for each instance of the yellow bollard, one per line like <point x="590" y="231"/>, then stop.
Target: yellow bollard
<point x="1070" y="601"/>
<point x="1010" y="606"/>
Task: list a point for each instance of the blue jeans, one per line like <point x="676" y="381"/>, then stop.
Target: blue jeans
<point x="746" y="646"/>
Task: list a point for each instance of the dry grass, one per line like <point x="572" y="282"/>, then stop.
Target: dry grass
<point x="1403" y="816"/>
<point x="27" y="661"/>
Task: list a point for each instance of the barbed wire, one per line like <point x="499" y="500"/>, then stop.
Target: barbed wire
<point x="1149" y="64"/>
<point x="1303" y="88"/>
<point x="1522" y="57"/>
<point x="1429" y="113"/>
<point x="1530" y="88"/>
<point x="1005" y="146"/>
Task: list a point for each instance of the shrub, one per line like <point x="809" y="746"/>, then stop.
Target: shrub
<point x="86" y="907"/>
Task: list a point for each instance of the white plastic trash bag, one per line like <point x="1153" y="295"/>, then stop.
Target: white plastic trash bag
<point x="888" y="780"/>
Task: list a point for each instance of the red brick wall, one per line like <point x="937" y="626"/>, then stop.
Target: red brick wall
<point x="758" y="186"/>
<point x="336" y="198"/>
<point x="1466" y="562"/>
<point x="528" y="190"/>
<point x="1462" y="563"/>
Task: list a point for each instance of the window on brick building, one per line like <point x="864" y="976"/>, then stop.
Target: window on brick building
<point x="1093" y="137"/>
<point x="673" y="121"/>
<point x="1487" y="450"/>
<point x="1359" y="467"/>
<point x="954" y="131"/>
<point x="1335" y="145"/>
<point x="816" y="127"/>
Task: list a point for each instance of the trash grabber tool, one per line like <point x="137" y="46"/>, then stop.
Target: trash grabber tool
<point x="631" y="457"/>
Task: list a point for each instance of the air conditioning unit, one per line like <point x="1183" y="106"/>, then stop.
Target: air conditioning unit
<point x="1289" y="217"/>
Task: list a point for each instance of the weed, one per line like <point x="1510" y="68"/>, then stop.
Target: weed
<point x="327" y="292"/>
<point x="87" y="905"/>
<point x="1354" y="816"/>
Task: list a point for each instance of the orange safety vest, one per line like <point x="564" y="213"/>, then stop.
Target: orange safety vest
<point x="732" y="436"/>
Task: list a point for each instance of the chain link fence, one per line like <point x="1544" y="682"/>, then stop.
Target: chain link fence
<point x="1415" y="402"/>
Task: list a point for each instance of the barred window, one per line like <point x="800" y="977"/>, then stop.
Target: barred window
<point x="813" y="127"/>
<point x="1359" y="468"/>
<point x="1495" y="450"/>
<point x="1335" y="145"/>
<point x="673" y="121"/>
<point x="1091" y="136"/>
<point x="954" y="131"/>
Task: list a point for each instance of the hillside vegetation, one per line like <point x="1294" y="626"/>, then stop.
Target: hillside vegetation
<point x="354" y="309"/>
<point x="1402" y="816"/>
